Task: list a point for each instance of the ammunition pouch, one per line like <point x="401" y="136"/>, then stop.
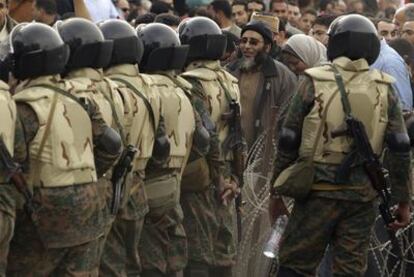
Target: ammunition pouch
<point x="110" y="141"/>
<point x="163" y="193"/>
<point x="296" y="181"/>
<point x="161" y="150"/>
<point x="196" y="176"/>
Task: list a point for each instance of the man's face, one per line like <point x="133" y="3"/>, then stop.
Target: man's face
<point x="3" y="11"/>
<point x="339" y="8"/>
<point x="280" y="9"/>
<point x="36" y="13"/>
<point x="240" y="15"/>
<point x="254" y="7"/>
<point x="306" y="22"/>
<point x="387" y="30"/>
<point x="123" y="6"/>
<point x="319" y="32"/>
<point x="408" y="31"/>
<point x="399" y="18"/>
<point x="251" y="44"/>
<point x="293" y="15"/>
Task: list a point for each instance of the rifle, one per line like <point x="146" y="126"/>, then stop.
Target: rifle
<point x="238" y="146"/>
<point x="377" y="174"/>
<point x="15" y="176"/>
<point x="119" y="174"/>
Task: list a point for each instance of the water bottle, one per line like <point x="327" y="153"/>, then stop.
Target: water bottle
<point x="271" y="248"/>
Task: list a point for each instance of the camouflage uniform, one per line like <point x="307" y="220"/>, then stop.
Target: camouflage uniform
<point x="103" y="92"/>
<point x="341" y="215"/>
<point x="61" y="237"/>
<point x="120" y="256"/>
<point x="163" y="242"/>
<point x="209" y="225"/>
<point x="8" y="194"/>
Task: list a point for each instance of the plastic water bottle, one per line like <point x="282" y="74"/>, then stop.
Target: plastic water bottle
<point x="271" y="249"/>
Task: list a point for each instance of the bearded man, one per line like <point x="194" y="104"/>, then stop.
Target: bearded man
<point x="266" y="87"/>
<point x="265" y="84"/>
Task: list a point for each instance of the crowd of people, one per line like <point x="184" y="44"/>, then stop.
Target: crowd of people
<point x="124" y="128"/>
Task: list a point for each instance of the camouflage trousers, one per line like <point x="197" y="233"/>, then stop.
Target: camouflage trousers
<point x="105" y="193"/>
<point x="6" y="234"/>
<point x="61" y="238"/>
<point x="29" y="257"/>
<point x="10" y="199"/>
<point x="318" y="222"/>
<point x="210" y="231"/>
<point x="163" y="244"/>
<point x="120" y="256"/>
<point x="225" y="236"/>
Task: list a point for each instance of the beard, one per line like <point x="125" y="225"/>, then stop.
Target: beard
<point x="251" y="64"/>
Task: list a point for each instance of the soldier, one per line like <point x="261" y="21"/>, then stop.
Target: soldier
<point x="64" y="150"/>
<point x="163" y="244"/>
<point x="208" y="214"/>
<point x="340" y="210"/>
<point x="8" y="193"/>
<point x="141" y="117"/>
<point x="89" y="53"/>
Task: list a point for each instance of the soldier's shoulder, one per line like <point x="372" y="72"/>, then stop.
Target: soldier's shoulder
<point x="229" y="76"/>
<point x="184" y="83"/>
<point x="110" y="82"/>
<point x="323" y="72"/>
<point x="382" y="77"/>
<point x="3" y="86"/>
<point x="200" y="73"/>
<point x="76" y="84"/>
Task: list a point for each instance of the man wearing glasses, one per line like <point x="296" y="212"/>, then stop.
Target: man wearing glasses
<point x="265" y="84"/>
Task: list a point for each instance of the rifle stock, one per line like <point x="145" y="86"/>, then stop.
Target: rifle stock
<point x="119" y="174"/>
<point x="15" y="175"/>
<point x="238" y="149"/>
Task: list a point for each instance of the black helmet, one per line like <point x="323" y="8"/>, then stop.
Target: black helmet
<point x="162" y="48"/>
<point x="36" y="50"/>
<point x="88" y="48"/>
<point x="353" y="36"/>
<point x="204" y="37"/>
<point x="127" y="47"/>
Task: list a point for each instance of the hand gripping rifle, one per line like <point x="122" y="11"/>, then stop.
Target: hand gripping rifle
<point x="119" y="175"/>
<point x="238" y="146"/>
<point x="377" y="174"/>
<point x="14" y="174"/>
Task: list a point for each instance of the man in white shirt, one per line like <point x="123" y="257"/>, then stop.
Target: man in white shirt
<point x="101" y="10"/>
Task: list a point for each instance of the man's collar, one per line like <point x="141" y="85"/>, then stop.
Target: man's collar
<point x="213" y="65"/>
<point x="347" y="64"/>
<point x="123" y="69"/>
<point x="269" y="68"/>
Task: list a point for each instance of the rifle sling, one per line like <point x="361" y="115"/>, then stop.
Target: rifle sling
<point x="143" y="98"/>
<point x="341" y="86"/>
<point x="114" y="113"/>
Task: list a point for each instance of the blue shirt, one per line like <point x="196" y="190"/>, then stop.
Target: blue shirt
<point x="101" y="10"/>
<point x="390" y="62"/>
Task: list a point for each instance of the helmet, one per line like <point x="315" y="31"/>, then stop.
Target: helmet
<point x="353" y="36"/>
<point x="127" y="48"/>
<point x="162" y="48"/>
<point x="88" y="48"/>
<point x="204" y="37"/>
<point x="36" y="50"/>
